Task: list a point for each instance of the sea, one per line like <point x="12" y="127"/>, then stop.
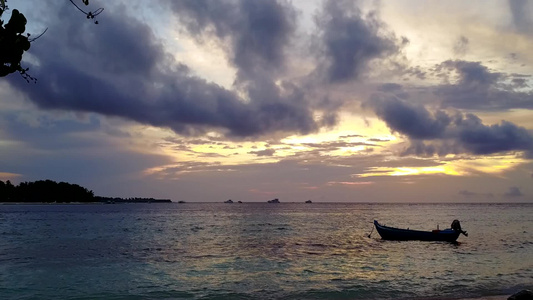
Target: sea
<point x="261" y="251"/>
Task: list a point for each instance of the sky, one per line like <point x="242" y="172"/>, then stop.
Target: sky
<point x="333" y="101"/>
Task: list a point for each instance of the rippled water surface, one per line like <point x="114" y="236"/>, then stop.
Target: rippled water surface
<point x="260" y="251"/>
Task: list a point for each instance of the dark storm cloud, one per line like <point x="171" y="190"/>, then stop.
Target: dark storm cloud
<point x="351" y="41"/>
<point x="442" y="133"/>
<point x="118" y="68"/>
<point x="257" y="31"/>
<point x="477" y="87"/>
<point x="482" y="139"/>
<point x="255" y="35"/>
<point x="414" y="121"/>
<point x="472" y="74"/>
<point x="120" y="46"/>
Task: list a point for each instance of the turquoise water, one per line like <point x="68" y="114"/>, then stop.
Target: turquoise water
<point x="260" y="251"/>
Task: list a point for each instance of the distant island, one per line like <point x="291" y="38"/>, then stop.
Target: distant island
<point x="231" y="201"/>
<point x="48" y="191"/>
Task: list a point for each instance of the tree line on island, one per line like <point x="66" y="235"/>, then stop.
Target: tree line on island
<point x="48" y="191"/>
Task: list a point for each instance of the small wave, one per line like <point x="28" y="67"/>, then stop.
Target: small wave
<point x="152" y="249"/>
<point x="12" y="233"/>
<point x="196" y="228"/>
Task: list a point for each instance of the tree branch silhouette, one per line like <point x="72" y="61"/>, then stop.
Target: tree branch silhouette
<point x="13" y="41"/>
<point x="91" y="14"/>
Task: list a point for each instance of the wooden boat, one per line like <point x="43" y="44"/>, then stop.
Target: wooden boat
<point x="397" y="234"/>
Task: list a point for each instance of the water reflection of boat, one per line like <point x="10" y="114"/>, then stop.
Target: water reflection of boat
<point x="398" y="234"/>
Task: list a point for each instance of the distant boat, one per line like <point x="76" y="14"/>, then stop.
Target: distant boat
<point x="181" y="201"/>
<point x="228" y="201"/>
<point x="308" y="201"/>
<point x="397" y="234"/>
<point x="239" y="201"/>
<point x="273" y="201"/>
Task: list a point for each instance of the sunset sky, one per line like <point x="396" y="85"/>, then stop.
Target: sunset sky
<point x="338" y="101"/>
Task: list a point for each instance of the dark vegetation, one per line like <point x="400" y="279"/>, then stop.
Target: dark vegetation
<point x="48" y="191"/>
<point x="13" y="40"/>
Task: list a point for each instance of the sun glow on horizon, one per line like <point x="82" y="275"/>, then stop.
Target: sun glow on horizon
<point x="409" y="171"/>
<point x="334" y="147"/>
<point x="461" y="167"/>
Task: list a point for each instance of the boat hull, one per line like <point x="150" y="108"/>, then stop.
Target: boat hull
<point x="397" y="234"/>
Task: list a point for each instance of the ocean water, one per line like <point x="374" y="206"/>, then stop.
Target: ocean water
<point x="260" y="251"/>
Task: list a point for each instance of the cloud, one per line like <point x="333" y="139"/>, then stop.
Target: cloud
<point x="81" y="67"/>
<point x="468" y="194"/>
<point x="66" y="147"/>
<point x="472" y="74"/>
<point x="256" y="36"/>
<point x="513" y="192"/>
<point x="351" y="41"/>
<point x="390" y="87"/>
<point x="487" y="139"/>
<point x="477" y="87"/>
<point x="336" y="145"/>
<point x="412" y="120"/>
<point x="258" y="32"/>
<point x="266" y="152"/>
<point x="4" y="176"/>
<point x="519" y="83"/>
<point x="442" y="133"/>
<point x="461" y="46"/>
<point x="521" y="13"/>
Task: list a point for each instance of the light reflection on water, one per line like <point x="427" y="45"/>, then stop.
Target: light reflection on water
<point x="256" y="250"/>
